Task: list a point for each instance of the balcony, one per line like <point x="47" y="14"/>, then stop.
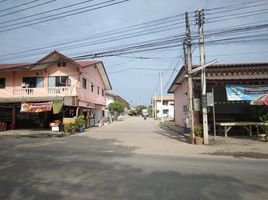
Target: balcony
<point x="41" y="92"/>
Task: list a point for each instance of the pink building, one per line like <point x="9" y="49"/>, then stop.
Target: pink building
<point x="55" y="82"/>
<point x="253" y="76"/>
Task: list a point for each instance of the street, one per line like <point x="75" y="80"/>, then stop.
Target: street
<point x="130" y="159"/>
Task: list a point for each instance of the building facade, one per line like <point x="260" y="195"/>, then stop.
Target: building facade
<point x="166" y="109"/>
<point x="219" y="77"/>
<point x="33" y="95"/>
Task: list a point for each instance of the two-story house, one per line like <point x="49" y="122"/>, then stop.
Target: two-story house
<point x="166" y="109"/>
<point x="32" y="95"/>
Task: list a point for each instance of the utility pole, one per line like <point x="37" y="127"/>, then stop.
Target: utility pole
<point x="155" y="107"/>
<point x="201" y="21"/>
<point x="161" y="90"/>
<point x="190" y="80"/>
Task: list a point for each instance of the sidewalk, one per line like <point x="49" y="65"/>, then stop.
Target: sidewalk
<point x="237" y="146"/>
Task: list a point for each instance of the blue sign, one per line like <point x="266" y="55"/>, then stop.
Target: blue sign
<point x="245" y="92"/>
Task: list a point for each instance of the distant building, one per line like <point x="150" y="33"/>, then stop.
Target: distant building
<point x="111" y="98"/>
<point x="167" y="110"/>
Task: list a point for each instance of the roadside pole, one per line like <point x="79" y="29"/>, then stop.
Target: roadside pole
<point x="200" y="15"/>
<point x="161" y="90"/>
<point x="190" y="80"/>
<point x="155" y="107"/>
<point x="214" y="115"/>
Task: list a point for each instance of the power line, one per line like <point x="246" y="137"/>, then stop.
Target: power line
<point x="37" y="5"/>
<point x="24" y="4"/>
<point x="59" y="17"/>
<point x="127" y="29"/>
<point x="139" y="68"/>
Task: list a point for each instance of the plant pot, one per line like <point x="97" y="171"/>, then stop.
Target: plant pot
<point x="72" y="131"/>
<point x="198" y="140"/>
<point x="81" y="129"/>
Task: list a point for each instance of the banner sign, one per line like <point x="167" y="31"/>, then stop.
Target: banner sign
<point x="36" y="107"/>
<point x="245" y="92"/>
<point x="57" y="105"/>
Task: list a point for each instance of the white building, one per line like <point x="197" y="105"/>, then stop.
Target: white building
<point x="111" y="98"/>
<point x="167" y="109"/>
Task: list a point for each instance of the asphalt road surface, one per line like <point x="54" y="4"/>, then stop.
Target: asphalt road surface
<point x="132" y="159"/>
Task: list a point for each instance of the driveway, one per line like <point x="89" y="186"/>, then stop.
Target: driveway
<point x="132" y="159"/>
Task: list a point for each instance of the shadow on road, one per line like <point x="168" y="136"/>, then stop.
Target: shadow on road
<point x="167" y="132"/>
<point x="86" y="168"/>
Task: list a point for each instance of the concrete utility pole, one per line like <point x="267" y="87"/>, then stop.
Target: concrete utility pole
<point x="200" y="15"/>
<point x="155" y="111"/>
<point x="190" y="80"/>
<point x="161" y="90"/>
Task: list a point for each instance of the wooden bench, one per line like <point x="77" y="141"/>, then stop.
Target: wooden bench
<point x="246" y="125"/>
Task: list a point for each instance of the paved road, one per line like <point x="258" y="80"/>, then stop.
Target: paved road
<point x="133" y="159"/>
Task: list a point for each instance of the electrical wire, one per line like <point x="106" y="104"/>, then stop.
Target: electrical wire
<point x="37" y="5"/>
<point x="99" y="6"/>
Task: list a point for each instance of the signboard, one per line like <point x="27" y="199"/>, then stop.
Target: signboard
<point x="210" y="99"/>
<point x="57" y="105"/>
<point x="196" y="104"/>
<point x="36" y="107"/>
<point x="245" y="92"/>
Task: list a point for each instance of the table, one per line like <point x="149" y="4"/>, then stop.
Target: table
<point x="246" y="125"/>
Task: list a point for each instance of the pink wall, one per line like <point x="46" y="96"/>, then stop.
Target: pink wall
<point x="8" y="91"/>
<point x="92" y="75"/>
<point x="181" y="99"/>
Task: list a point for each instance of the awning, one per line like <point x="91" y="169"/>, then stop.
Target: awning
<point x="36" y="107"/>
<point x="249" y="93"/>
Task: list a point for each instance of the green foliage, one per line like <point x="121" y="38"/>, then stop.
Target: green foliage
<point x="264" y="119"/>
<point x="116" y="108"/>
<point x="69" y="127"/>
<point x="198" y="130"/>
<point x="139" y="109"/>
<point x="150" y="110"/>
<point x="80" y="121"/>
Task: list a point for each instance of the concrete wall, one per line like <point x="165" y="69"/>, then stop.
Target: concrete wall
<point x="92" y="75"/>
<point x="181" y="99"/>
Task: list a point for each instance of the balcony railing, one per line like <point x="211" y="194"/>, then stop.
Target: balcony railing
<point x="51" y="91"/>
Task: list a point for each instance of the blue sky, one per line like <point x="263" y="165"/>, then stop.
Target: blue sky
<point x="136" y="86"/>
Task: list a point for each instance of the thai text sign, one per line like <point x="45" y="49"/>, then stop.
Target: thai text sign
<point x="245" y="92"/>
<point x="36" y="107"/>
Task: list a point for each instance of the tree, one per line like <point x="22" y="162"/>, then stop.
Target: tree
<point x="116" y="108"/>
<point x="140" y="108"/>
<point x="150" y="110"/>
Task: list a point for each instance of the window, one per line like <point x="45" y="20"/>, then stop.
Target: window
<point x="165" y="111"/>
<point x="165" y="103"/>
<point x="92" y="87"/>
<point x="61" y="64"/>
<point x="2" y="83"/>
<point x="33" y="82"/>
<point x="57" y="81"/>
<point x="102" y="92"/>
<point x="84" y="83"/>
<point x="98" y="90"/>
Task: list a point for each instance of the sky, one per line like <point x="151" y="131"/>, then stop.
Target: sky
<point x="136" y="85"/>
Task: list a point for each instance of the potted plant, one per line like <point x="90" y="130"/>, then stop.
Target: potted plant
<point x="198" y="131"/>
<point x="264" y="119"/>
<point x="80" y="122"/>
